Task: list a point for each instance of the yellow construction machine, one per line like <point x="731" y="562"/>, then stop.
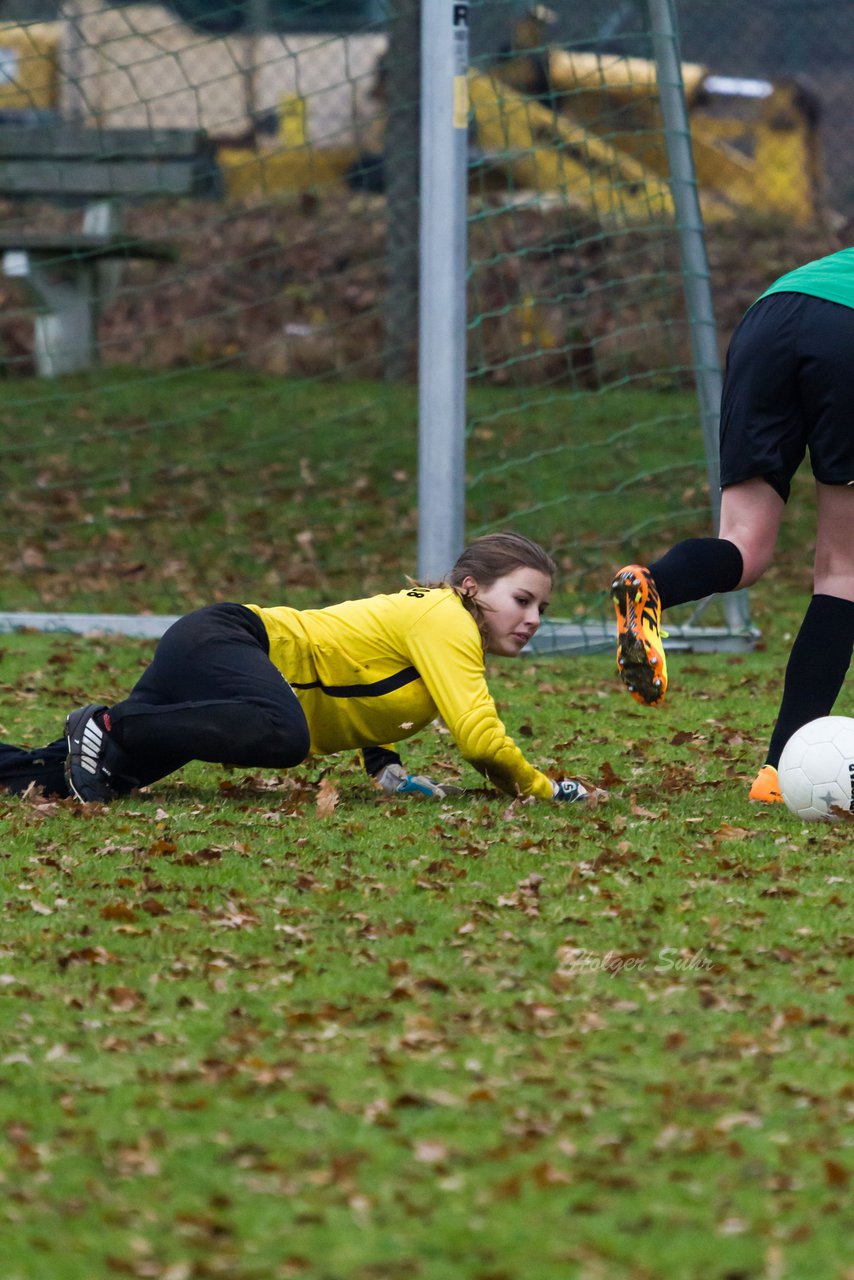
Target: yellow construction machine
<point x="755" y="143"/>
<point x="588" y="126"/>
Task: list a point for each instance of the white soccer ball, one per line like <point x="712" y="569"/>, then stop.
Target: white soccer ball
<point x="816" y="769"/>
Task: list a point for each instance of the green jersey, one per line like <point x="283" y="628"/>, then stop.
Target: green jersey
<point x="831" y="278"/>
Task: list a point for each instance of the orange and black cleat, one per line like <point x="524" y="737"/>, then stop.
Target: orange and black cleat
<point x="766" y="786"/>
<point x="640" y="653"/>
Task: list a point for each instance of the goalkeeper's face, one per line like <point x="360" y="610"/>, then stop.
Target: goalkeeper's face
<point x="512" y="608"/>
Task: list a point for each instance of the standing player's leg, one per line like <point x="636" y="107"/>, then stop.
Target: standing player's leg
<point x="821" y="654"/>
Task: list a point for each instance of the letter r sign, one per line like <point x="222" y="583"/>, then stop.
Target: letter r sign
<point x="461" y="15"/>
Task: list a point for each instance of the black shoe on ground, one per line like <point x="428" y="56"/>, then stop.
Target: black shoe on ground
<point x="86" y="773"/>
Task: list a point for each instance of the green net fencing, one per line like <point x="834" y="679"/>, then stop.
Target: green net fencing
<point x="208" y="305"/>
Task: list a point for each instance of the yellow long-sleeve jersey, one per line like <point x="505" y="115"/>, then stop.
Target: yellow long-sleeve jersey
<point x="372" y="672"/>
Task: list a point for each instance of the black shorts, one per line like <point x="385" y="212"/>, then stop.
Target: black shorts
<point x="789" y="387"/>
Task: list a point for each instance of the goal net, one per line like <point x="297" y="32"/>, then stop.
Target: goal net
<point x="243" y="423"/>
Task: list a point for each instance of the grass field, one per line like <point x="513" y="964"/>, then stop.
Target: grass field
<point x="280" y="1028"/>
<point x="163" y="491"/>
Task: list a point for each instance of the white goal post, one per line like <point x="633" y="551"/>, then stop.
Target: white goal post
<point x="443" y="315"/>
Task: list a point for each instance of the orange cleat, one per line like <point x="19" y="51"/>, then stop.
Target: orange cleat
<point x="640" y="653"/>
<point x="766" y="786"/>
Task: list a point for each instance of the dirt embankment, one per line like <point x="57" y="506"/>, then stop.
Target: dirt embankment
<point x="299" y="289"/>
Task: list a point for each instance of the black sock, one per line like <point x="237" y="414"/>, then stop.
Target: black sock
<point x="816" y="670"/>
<point x="696" y="568"/>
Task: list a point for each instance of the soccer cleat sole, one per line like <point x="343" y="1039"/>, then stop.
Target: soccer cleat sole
<point x="636" y="666"/>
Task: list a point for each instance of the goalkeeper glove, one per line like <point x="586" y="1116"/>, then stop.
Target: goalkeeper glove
<point x="568" y="791"/>
<point x="393" y="780"/>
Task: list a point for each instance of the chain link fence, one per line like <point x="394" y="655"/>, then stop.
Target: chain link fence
<point x="140" y="65"/>
<point x="809" y="41"/>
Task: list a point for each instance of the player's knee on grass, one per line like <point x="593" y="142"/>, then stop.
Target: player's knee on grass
<point x="275" y="738"/>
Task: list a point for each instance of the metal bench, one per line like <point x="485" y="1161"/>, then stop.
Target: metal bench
<point x="71" y="275"/>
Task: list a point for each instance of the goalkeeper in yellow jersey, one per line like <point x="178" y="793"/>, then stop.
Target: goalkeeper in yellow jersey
<point x="268" y="687"/>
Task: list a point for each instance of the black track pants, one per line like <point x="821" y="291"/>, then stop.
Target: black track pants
<point x="211" y="693"/>
<point x="44" y="766"/>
